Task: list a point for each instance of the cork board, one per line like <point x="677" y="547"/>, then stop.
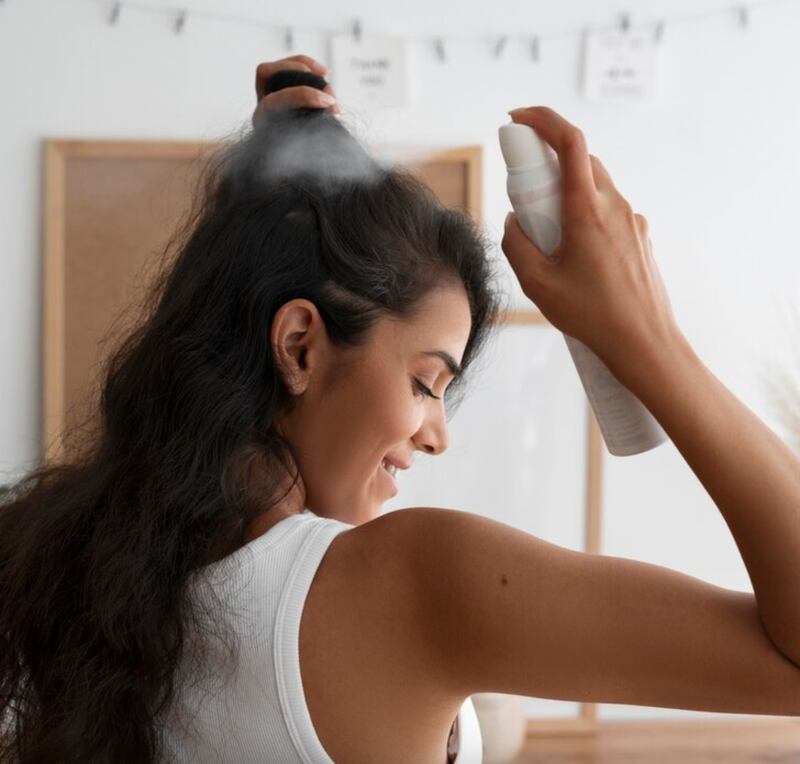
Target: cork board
<point x="110" y="208"/>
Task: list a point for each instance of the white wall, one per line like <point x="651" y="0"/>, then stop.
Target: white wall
<point x="713" y="165"/>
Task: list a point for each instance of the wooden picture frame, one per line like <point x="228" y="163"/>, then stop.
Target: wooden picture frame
<point x="96" y="195"/>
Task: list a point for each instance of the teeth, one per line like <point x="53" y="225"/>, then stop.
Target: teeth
<point x="390" y="468"/>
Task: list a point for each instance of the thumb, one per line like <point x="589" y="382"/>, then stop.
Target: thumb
<point x="532" y="267"/>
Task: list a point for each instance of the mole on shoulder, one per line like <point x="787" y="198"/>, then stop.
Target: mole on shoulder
<point x="503" y="579"/>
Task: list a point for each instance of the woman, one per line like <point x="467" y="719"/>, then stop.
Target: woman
<point x="212" y="576"/>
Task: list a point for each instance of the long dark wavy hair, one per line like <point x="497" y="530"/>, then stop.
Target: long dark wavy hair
<point x="97" y="547"/>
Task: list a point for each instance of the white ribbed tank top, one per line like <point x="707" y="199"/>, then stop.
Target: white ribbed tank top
<point x="254" y="709"/>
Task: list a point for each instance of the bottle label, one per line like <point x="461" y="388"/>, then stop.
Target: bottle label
<point x="522" y="198"/>
<point x="541" y="230"/>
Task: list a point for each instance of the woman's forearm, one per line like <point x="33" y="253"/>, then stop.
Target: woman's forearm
<point x="751" y="474"/>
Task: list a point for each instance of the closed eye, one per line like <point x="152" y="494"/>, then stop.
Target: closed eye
<point x="425" y="390"/>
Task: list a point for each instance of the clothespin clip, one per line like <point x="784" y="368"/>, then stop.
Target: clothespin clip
<point x="113" y="15"/>
<point x="180" y="22"/>
<point x="743" y="15"/>
<point x="535" y="49"/>
<point x="499" y="45"/>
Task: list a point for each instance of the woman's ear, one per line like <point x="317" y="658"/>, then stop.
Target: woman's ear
<point x="297" y="337"/>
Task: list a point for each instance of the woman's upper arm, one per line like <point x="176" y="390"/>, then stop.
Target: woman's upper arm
<point x="508" y="612"/>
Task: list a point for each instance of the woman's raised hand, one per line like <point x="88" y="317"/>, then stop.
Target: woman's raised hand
<point x="293" y="97"/>
<point x="601" y="284"/>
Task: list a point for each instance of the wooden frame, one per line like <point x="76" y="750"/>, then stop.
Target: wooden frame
<point x="468" y="157"/>
<point x="57" y="157"/>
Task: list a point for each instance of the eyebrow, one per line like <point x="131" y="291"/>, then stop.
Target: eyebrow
<point x="449" y="361"/>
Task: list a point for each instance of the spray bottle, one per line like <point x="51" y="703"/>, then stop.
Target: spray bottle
<point x="534" y="189"/>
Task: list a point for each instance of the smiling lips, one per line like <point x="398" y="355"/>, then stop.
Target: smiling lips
<point x="390" y="465"/>
<point x="398" y="464"/>
<point x="390" y="475"/>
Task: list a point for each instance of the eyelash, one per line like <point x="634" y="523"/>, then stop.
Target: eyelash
<point x="425" y="390"/>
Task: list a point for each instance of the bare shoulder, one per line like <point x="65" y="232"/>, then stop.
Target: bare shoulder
<point x="501" y="610"/>
<point x="372" y="681"/>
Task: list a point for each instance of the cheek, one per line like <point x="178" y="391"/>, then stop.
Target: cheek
<point x="390" y="410"/>
<point x="403" y="411"/>
<point x="374" y="412"/>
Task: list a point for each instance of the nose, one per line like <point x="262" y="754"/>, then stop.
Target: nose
<point x="432" y="437"/>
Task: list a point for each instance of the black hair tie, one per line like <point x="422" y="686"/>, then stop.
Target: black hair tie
<point x="290" y="78"/>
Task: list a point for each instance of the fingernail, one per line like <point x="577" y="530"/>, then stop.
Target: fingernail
<point x="328" y="100"/>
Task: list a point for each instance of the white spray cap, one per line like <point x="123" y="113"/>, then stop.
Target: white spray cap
<point x="522" y="147"/>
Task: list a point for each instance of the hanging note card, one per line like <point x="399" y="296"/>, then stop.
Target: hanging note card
<point x="620" y="66"/>
<point x="370" y="71"/>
